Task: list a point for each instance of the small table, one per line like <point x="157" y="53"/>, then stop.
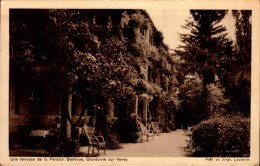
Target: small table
<point x="38" y="137"/>
<point x="39" y="133"/>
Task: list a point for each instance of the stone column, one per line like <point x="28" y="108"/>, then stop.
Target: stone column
<point x="136" y="105"/>
<point x="145" y="111"/>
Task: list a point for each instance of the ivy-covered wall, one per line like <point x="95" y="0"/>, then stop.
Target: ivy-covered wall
<point x="97" y="53"/>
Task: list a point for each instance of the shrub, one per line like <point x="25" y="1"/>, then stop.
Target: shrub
<point x="68" y="148"/>
<point x="224" y="136"/>
<point x="134" y="130"/>
<point x="129" y="130"/>
<point x="165" y="128"/>
<point x="57" y="146"/>
<point x="171" y="126"/>
<point x="112" y="141"/>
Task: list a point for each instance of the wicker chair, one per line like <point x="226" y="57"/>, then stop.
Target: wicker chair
<point x="155" y="128"/>
<point x="146" y="132"/>
<point x="87" y="138"/>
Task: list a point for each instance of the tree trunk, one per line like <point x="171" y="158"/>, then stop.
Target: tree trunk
<point x="64" y="110"/>
<point x="73" y="133"/>
<point x="73" y="125"/>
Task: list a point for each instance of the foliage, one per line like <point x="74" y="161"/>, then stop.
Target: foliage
<point x="207" y="38"/>
<point x="159" y="57"/>
<point x="243" y="34"/>
<point x="167" y="126"/>
<point x="238" y="77"/>
<point x="197" y="103"/>
<point x="222" y="136"/>
<point x="101" y="65"/>
<point x="216" y="98"/>
<point x="65" y="149"/>
<point x="130" y="129"/>
<point x="59" y="147"/>
<point x="208" y="52"/>
<point x="192" y="85"/>
<point x="171" y="102"/>
<point x="27" y="46"/>
<point x="115" y="66"/>
<point x="113" y="141"/>
<point x="233" y="62"/>
<point x="171" y="126"/>
<point x="95" y="54"/>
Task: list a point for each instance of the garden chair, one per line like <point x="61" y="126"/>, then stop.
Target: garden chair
<point x="87" y="138"/>
<point x="188" y="133"/>
<point x="185" y="130"/>
<point x="189" y="142"/>
<point x="146" y="132"/>
<point x="155" y="128"/>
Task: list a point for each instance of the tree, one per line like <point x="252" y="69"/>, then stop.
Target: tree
<point x="98" y="63"/>
<point x="205" y="52"/>
<point x="239" y="74"/>
<point x="69" y="45"/>
<point x="243" y="34"/>
<point x="206" y="44"/>
<point x="197" y="104"/>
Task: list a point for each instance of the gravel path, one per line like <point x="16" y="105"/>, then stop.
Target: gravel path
<point x="165" y="145"/>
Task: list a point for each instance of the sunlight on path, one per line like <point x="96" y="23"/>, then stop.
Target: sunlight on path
<point x="164" y="145"/>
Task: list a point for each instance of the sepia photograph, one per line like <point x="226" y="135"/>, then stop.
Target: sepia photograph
<point x="104" y="84"/>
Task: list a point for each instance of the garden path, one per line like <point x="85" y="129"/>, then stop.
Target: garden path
<point x="165" y="145"/>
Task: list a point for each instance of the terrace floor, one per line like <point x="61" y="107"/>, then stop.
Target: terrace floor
<point x="165" y="145"/>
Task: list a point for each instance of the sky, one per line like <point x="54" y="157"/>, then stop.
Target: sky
<point x="169" y="22"/>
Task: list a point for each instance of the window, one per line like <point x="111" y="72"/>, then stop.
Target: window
<point x="36" y="101"/>
<point x="76" y="107"/>
<point x="142" y="31"/>
<point x="140" y="108"/>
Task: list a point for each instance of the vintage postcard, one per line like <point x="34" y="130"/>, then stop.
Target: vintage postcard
<point x="129" y="82"/>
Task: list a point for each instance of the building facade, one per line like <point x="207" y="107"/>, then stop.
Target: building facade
<point x="37" y="92"/>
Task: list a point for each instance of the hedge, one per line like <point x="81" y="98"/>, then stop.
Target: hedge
<point x="224" y="136"/>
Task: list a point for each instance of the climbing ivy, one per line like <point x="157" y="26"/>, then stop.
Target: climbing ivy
<point x="94" y="52"/>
